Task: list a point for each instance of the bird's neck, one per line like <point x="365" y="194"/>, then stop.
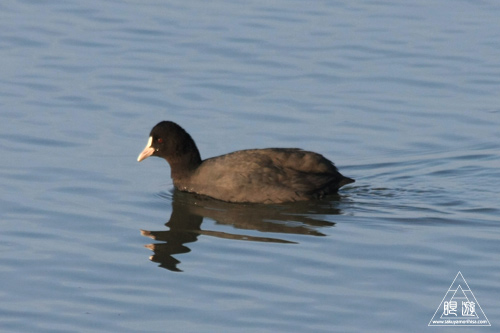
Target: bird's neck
<point x="182" y="166"/>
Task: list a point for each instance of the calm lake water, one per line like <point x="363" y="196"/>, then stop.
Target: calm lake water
<point x="404" y="97"/>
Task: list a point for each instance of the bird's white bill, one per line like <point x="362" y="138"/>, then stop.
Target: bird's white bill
<point x="148" y="151"/>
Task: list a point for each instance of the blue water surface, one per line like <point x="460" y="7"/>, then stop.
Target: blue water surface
<point x="404" y="97"/>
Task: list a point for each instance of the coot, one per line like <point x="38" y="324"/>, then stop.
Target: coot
<point x="272" y="175"/>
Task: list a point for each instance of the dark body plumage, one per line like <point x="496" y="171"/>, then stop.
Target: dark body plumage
<point x="272" y="175"/>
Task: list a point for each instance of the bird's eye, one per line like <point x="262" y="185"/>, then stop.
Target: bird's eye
<point x="160" y="140"/>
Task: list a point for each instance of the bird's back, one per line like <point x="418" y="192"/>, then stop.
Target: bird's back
<point x="265" y="175"/>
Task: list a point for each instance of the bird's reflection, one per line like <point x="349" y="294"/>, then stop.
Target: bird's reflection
<point x="188" y="211"/>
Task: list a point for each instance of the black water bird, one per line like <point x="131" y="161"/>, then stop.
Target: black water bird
<point x="272" y="175"/>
